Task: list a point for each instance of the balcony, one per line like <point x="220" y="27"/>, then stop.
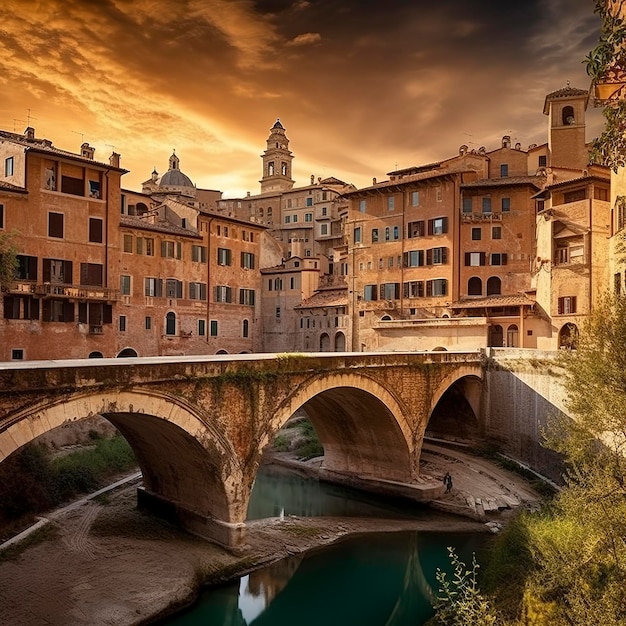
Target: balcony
<point x="481" y="217"/>
<point x="96" y="329"/>
<point x="77" y="292"/>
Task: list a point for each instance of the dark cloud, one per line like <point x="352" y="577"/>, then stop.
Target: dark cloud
<point x="360" y="84"/>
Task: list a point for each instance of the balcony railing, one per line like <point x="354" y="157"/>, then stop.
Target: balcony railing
<point x="76" y="292"/>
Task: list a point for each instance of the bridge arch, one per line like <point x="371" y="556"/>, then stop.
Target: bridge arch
<point x="466" y="382"/>
<point x="363" y="427"/>
<point x="184" y="460"/>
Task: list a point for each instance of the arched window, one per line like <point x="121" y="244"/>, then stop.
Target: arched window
<point x="474" y="286"/>
<point x="494" y="286"/>
<point x="340" y="342"/>
<point x="324" y="343"/>
<point x="127" y="352"/>
<point x="512" y="336"/>
<point x="568" y="116"/>
<point x="245" y="328"/>
<point x="95" y="355"/>
<point x="221" y="352"/>
<point x="170" y="323"/>
<point x="270" y="168"/>
<point x="568" y="337"/>
<point x="283" y="169"/>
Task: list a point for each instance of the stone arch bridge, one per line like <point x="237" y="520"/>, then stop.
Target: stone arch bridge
<point x="198" y="425"/>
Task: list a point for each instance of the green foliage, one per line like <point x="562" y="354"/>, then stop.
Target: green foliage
<point x="8" y="260"/>
<point x="610" y="147"/>
<point x="609" y="52"/>
<point x="460" y="602"/>
<point x="31" y="482"/>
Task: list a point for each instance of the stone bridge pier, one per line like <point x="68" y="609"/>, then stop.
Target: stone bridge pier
<point x="198" y="425"/>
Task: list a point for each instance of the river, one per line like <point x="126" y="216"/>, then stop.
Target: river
<point x="378" y="580"/>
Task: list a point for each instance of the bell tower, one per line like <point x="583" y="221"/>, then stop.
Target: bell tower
<point x="277" y="160"/>
<point x="565" y="109"/>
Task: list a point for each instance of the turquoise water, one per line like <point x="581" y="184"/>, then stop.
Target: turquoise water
<point x="382" y="579"/>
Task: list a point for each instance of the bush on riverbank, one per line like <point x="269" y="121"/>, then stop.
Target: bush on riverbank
<point x="32" y="481"/>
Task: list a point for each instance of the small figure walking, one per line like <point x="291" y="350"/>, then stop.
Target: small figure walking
<point x="447" y="481"/>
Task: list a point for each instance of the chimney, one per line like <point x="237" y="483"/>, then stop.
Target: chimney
<point x="87" y="152"/>
<point x="29" y="133"/>
<point x="114" y="159"/>
<point x="312" y="179"/>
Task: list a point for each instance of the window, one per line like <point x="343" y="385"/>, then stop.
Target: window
<point x="505" y="205"/>
<point x="201" y="328"/>
<point x="362" y="205"/>
<point x="145" y="245"/>
<point x="55" y="225"/>
<point x="287" y="219"/>
<point x="499" y="258"/>
<point x="476" y="233"/>
<point x="415" y="229"/>
<point x="474" y="286"/>
<point x="21" y="307"/>
<point x="496" y="232"/>
<point x="396" y="233"/>
<point x="213" y="328"/>
<point x="357" y="234"/>
<point x="17" y="354"/>
<point x="438" y="226"/>
<point x="467" y="204"/>
<point x="436" y="256"/>
<point x="153" y="287"/>
<point x="543" y="160"/>
<point x="309" y="202"/>
<point x="574" y="196"/>
<point x="247" y="297"/>
<point x="125" y="285"/>
<point x="247" y="260"/>
<point x="415" y="198"/>
<point x="26" y="267"/>
<point x="370" y="292"/>
<point x="58" y="311"/>
<point x="414" y="258"/>
<point x="475" y="259"/>
<point x="199" y="254"/>
<point x="391" y="203"/>
<point x="1" y="215"/>
<point x="562" y="255"/>
<point x="308" y="217"/>
<point x="171" y="249"/>
<point x="128" y="243"/>
<point x="57" y="271"/>
<point x="487" y="204"/>
<point x="387" y="233"/>
<point x="95" y="230"/>
<point x="278" y="284"/>
<point x="324" y="211"/>
<point x="374" y="235"/>
<point x="324" y="229"/>
<point x="437" y="287"/>
<point x="170" y="323"/>
<point x="601" y="193"/>
<point x="73" y="186"/>
<point x="148" y="322"/>
<point x="389" y="291"/>
<point x="197" y="291"/>
<point x="494" y="286"/>
<point x="295" y="219"/>
<point x="94" y="189"/>
<point x="617" y="283"/>
<point x="567" y="305"/>
<point x="277" y="313"/>
<point x="224" y="256"/>
<point x="504" y="170"/>
<point x="91" y="274"/>
<point x="245" y="328"/>
<point x="438" y="194"/>
<point x="173" y="288"/>
<point x="122" y="323"/>
<point x="414" y="289"/>
<point x="223" y="293"/>
<point x="8" y="166"/>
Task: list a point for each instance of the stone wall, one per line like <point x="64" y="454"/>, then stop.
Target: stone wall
<point x="522" y="391"/>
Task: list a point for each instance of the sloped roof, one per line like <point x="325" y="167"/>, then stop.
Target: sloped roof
<point x="566" y="92"/>
<point x="493" y="301"/>
<point x="536" y="181"/>
<point x="332" y="297"/>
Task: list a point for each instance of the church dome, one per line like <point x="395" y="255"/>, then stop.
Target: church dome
<point x="174" y="179"/>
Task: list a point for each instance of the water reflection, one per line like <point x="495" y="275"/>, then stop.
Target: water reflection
<point x="276" y="493"/>
<point x="378" y="580"/>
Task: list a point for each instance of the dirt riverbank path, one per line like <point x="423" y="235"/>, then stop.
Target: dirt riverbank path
<point x="105" y="563"/>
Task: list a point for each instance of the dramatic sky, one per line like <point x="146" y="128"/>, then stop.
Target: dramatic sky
<point x="361" y="86"/>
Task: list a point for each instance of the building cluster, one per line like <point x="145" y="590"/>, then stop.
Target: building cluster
<point x="504" y="247"/>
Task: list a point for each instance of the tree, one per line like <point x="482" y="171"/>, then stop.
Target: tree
<point x="8" y="260"/>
